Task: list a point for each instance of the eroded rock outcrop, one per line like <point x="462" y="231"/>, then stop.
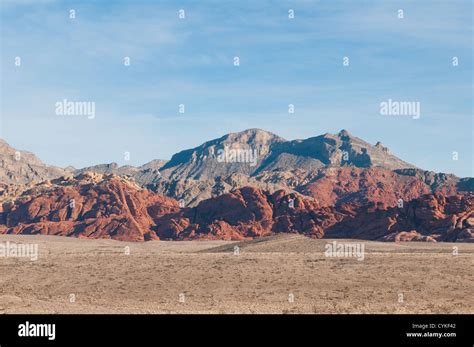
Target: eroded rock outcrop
<point x="92" y="205"/>
<point x="109" y="206"/>
<point x="333" y="185"/>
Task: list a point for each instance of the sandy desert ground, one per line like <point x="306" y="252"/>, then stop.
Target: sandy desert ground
<point x="208" y="277"/>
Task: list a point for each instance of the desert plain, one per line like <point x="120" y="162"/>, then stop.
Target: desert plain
<point x="280" y="274"/>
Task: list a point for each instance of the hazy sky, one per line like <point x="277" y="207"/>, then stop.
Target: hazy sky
<point x="191" y="61"/>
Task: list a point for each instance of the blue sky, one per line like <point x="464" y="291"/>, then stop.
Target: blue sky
<point x="190" y="61"/>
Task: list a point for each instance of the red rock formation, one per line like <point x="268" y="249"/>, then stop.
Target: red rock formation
<point x="108" y="206"/>
<point x="373" y="185"/>
<point x="430" y="217"/>
<point x="112" y="208"/>
<point x="245" y="213"/>
<point x="248" y="213"/>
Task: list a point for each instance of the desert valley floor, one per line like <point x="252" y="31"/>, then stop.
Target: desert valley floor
<point x="156" y="276"/>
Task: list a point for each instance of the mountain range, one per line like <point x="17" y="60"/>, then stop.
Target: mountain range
<point x="241" y="185"/>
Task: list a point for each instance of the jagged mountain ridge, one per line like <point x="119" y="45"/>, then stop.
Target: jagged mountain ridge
<point x="18" y="167"/>
<point x="276" y="153"/>
<point x="270" y="163"/>
<point x="202" y="163"/>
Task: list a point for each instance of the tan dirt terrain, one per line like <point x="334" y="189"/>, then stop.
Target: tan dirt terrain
<point x="210" y="278"/>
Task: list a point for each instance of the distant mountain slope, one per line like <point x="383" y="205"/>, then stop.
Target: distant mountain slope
<point x="146" y="174"/>
<point x="341" y="149"/>
<point x="233" y="153"/>
<point x="330" y="168"/>
<point x="274" y="153"/>
<point x="265" y="161"/>
<point x="17" y="167"/>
